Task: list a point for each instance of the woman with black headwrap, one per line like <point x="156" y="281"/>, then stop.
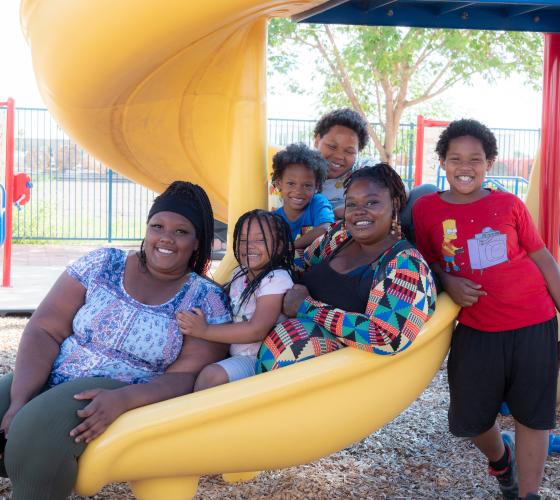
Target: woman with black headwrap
<point x="105" y="340"/>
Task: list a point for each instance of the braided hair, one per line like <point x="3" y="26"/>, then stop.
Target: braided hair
<point x="385" y="176"/>
<point x="200" y="259"/>
<point x="280" y="249"/>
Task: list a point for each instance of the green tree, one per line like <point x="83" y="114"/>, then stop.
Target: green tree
<point x="382" y="72"/>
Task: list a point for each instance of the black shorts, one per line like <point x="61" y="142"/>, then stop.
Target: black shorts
<point x="519" y="367"/>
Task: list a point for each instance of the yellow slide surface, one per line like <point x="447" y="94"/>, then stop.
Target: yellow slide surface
<point x="278" y="419"/>
<point x="175" y="89"/>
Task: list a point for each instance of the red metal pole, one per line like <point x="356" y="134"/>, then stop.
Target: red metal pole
<point x="419" y="156"/>
<point x="549" y="207"/>
<point x="6" y="267"/>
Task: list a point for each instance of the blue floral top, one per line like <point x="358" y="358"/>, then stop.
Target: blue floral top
<point x="116" y="336"/>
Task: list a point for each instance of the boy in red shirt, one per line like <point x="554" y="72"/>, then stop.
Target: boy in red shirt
<point x="486" y="251"/>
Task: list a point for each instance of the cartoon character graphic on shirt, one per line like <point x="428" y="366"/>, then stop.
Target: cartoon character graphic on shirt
<point x="448" y="249"/>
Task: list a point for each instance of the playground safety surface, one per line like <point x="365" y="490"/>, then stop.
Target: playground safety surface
<point x="34" y="270"/>
<point x="412" y="458"/>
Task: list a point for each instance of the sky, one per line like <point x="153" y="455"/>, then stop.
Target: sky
<point x="506" y="104"/>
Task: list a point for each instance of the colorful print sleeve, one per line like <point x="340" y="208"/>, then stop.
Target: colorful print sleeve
<point x="397" y="309"/>
<point x="324" y="245"/>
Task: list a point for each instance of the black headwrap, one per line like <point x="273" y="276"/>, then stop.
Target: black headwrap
<point x="182" y="205"/>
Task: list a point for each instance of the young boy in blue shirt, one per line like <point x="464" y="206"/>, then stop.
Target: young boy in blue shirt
<point x="298" y="174"/>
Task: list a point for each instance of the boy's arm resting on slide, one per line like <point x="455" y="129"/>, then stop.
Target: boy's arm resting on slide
<point x="463" y="291"/>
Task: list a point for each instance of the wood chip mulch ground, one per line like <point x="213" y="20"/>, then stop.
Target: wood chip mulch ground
<point x="412" y="457"/>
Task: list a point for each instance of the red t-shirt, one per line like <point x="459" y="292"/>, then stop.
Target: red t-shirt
<point x="487" y="241"/>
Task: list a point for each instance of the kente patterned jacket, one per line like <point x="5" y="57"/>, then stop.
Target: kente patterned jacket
<point x="398" y="306"/>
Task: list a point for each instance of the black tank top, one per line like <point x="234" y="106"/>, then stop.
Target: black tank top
<point x="350" y="291"/>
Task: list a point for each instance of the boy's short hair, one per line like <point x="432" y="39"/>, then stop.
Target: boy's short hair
<point x="300" y="154"/>
<point x="344" y="117"/>
<point x="461" y="128"/>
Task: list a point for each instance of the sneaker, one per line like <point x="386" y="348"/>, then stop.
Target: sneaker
<point x="507" y="478"/>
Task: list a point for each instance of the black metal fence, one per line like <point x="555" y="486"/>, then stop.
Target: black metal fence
<point x="75" y="197"/>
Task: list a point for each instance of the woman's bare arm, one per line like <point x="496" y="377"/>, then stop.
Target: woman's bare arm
<point x="40" y="343"/>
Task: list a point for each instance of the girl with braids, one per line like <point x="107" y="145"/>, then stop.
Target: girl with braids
<point x="105" y="340"/>
<point x="264" y="249"/>
<point x="364" y="286"/>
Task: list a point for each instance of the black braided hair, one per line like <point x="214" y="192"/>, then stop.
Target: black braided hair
<point x="344" y="117"/>
<point x="385" y="176"/>
<point x="461" y="128"/>
<point x="200" y="259"/>
<point x="280" y="250"/>
<point x="300" y="154"/>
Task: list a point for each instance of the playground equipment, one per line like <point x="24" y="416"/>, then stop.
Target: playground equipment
<point x="177" y="91"/>
<point x="6" y="192"/>
<point x="15" y="191"/>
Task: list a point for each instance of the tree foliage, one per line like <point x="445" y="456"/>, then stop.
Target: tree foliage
<point x="383" y="71"/>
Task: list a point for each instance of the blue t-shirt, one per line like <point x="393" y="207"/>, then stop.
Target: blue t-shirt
<point x="319" y="211"/>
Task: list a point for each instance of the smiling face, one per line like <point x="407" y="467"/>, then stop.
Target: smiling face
<point x="465" y="166"/>
<point x="339" y="146"/>
<point x="368" y="212"/>
<point x="297" y="186"/>
<point x="169" y="243"/>
<point x="255" y="244"/>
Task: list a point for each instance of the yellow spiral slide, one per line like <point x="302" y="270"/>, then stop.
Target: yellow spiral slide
<point x="175" y="89"/>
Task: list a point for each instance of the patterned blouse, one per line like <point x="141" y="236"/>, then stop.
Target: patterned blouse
<point x="397" y="308"/>
<point x="116" y="336"/>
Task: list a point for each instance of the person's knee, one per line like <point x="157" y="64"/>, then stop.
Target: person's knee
<point x="210" y="376"/>
<point x="5" y="387"/>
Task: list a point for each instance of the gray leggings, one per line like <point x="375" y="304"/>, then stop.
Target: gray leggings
<point x="41" y="459"/>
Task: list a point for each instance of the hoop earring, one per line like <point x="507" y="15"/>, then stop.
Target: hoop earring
<point x="396" y="229"/>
